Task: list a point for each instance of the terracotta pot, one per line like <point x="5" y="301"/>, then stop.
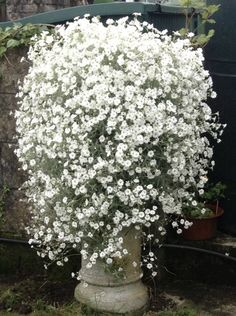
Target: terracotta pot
<point x="204" y="228"/>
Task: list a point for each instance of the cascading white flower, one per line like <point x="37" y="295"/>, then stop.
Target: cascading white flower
<point x="112" y="130"/>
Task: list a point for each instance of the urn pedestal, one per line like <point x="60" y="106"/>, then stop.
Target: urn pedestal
<point x="102" y="291"/>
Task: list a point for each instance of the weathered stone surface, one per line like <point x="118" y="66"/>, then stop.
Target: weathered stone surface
<point x="50" y="7"/>
<point x="53" y="2"/>
<point x="12" y="70"/>
<point x="7" y="126"/>
<point x="11" y="175"/>
<point x="17" y="9"/>
<point x="2" y="12"/>
<point x="30" y="9"/>
<point x="15" y="215"/>
<point x="7" y="102"/>
<point x="129" y="299"/>
<point x="102" y="291"/>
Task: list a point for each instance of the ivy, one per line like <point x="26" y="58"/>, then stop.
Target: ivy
<point x="19" y="35"/>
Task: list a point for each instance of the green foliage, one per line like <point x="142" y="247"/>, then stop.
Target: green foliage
<point x="42" y="308"/>
<point x="9" y="299"/>
<point x="3" y="195"/>
<point x="196" y="211"/>
<point x="180" y="312"/>
<point x="88" y="311"/>
<point x="19" y="35"/>
<point x="214" y="192"/>
<point x="205" y="13"/>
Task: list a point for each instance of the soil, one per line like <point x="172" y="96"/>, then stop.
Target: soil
<point x="23" y="296"/>
<point x="213" y="299"/>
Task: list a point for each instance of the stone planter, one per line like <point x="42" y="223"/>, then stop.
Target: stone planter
<point x="104" y="292"/>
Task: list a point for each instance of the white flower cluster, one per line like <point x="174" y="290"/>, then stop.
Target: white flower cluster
<point x="112" y="126"/>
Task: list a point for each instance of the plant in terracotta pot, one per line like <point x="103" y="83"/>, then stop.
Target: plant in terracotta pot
<point x="203" y="213"/>
<point x="112" y="126"/>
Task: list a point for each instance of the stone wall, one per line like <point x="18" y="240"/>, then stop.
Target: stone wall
<point x="2" y="11"/>
<point x="16" y="9"/>
<point x="15" y="212"/>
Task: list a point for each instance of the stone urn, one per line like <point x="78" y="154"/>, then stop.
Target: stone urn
<point x="104" y="292"/>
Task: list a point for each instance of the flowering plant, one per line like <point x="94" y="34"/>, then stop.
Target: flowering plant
<point x="206" y="203"/>
<point x="112" y="126"/>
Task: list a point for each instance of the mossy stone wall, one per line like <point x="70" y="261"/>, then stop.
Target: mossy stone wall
<point x="15" y="213"/>
<point x="16" y="9"/>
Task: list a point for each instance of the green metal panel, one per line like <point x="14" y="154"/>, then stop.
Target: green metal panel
<point x="220" y="56"/>
<point x="103" y="9"/>
<point x="160" y="15"/>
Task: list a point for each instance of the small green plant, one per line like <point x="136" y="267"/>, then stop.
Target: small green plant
<point x="19" y="35"/>
<point x="204" y="13"/>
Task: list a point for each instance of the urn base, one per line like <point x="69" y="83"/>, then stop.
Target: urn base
<point x="129" y="299"/>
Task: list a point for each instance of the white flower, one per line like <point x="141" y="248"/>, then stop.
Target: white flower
<point x="112" y="133"/>
<point x="134" y="263"/>
<point x="125" y="251"/>
<point x="109" y="261"/>
<point x="89" y="265"/>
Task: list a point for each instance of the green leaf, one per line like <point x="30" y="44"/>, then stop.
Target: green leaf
<point x="2" y="50"/>
<point x="183" y="32"/>
<point x="12" y="43"/>
<point x="210" y="33"/>
<point x="201" y="39"/>
<point x="213" y="8"/>
<point x="16" y="26"/>
<point x="4" y="35"/>
<point x="186" y="3"/>
<point x="198" y="4"/>
<point x="211" y="21"/>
